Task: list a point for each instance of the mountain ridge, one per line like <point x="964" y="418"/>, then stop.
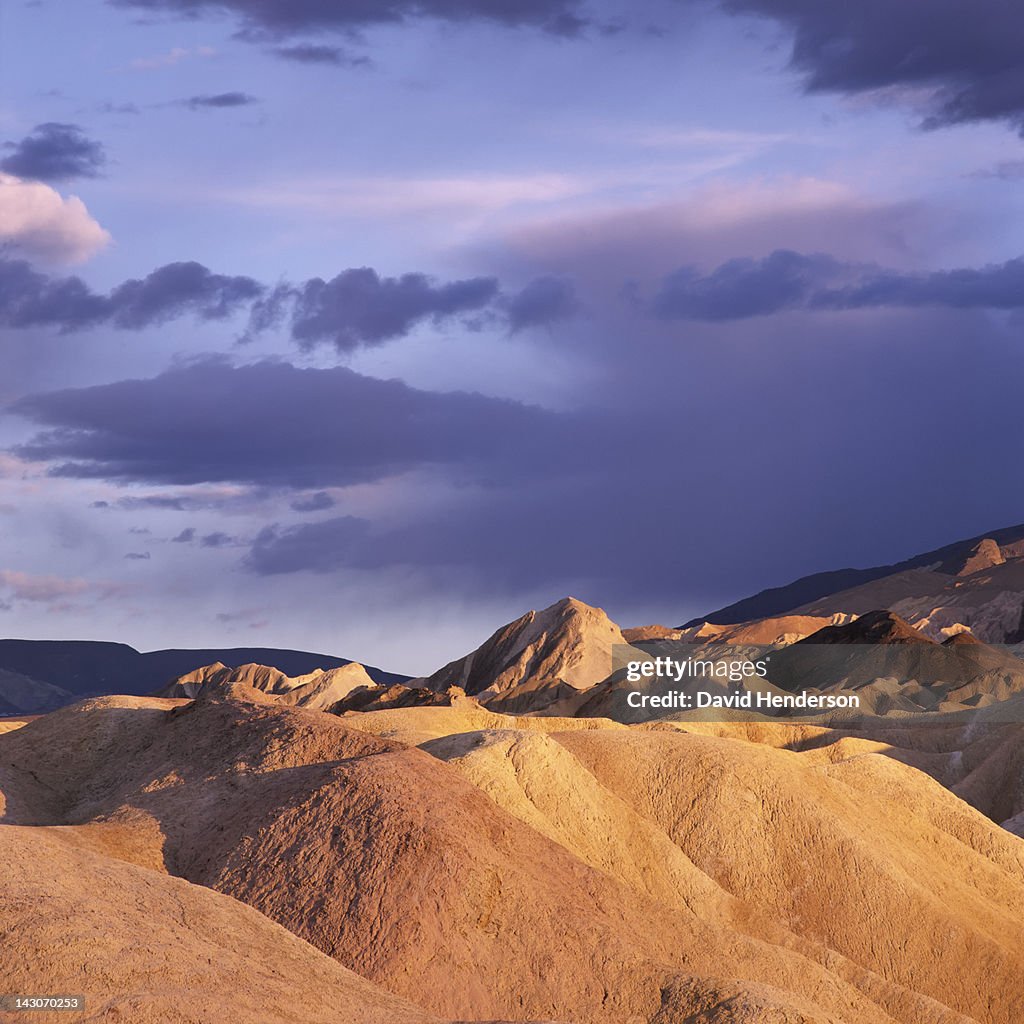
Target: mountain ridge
<point x="89" y="668"/>
<point x="778" y="601"/>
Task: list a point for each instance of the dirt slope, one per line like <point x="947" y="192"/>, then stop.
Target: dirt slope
<point x="584" y="875"/>
<point x="144" y="948"/>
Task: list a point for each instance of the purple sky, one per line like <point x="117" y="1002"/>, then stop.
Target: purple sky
<point x="364" y="327"/>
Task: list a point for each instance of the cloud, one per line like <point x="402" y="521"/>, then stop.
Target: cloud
<point x="280" y="19"/>
<point x="39" y="223"/>
<point x="317" y="502"/>
<point x="602" y="249"/>
<point x="251" y="617"/>
<point x="645" y="482"/>
<point x="185" y="537"/>
<point x="744" y="287"/>
<point x="220" y="100"/>
<point x="29" y="298"/>
<point x="109" y="107"/>
<point x="787" y="280"/>
<point x="54" y="152"/>
<point x="314" y="53"/>
<point x="172" y="57"/>
<point x="294" y="549"/>
<point x="543" y="301"/>
<point x="23" y="586"/>
<point x="273" y="424"/>
<point x="357" y="307"/>
<point x="966" y="56"/>
<point x="217" y="539"/>
<point x="1006" y="170"/>
<point x="151" y="501"/>
<point x="138" y="556"/>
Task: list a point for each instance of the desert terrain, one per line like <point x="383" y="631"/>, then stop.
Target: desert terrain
<point x="490" y="843"/>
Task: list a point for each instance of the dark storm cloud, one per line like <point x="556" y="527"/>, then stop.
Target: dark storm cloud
<point x="357" y="307"/>
<point x="360" y="307"/>
<point x="32" y="299"/>
<point x="744" y="287"/>
<point x="54" y="152"/>
<point x="219" y="101"/>
<point x="648" y="491"/>
<point x="217" y="539"/>
<point x="317" y="502"/>
<point x="341" y="543"/>
<point x="786" y="280"/>
<point x="543" y="301"/>
<point x="278" y="19"/>
<point x="274" y="424"/>
<point x="688" y="488"/>
<point x="968" y="53"/>
<point x="313" y="53"/>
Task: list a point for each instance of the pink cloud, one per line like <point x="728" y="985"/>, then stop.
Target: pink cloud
<point x="23" y="586"/>
<point x="38" y="222"/>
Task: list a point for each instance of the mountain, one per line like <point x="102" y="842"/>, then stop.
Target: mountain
<point x="60" y="671"/>
<point x="20" y="695"/>
<point x="894" y="667"/>
<point x="318" y="689"/>
<point x="504" y="868"/>
<point x="820" y="593"/>
<point x="538" y="660"/>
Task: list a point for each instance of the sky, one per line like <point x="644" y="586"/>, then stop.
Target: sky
<point x="364" y="327"/>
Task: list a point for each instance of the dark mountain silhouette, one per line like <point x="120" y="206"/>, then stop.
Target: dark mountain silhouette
<point x="951" y="559"/>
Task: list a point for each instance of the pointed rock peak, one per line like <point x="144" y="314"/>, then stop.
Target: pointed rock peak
<point x="986" y="554"/>
<point x="572" y="608"/>
<point x="878" y="627"/>
<point x="568" y="642"/>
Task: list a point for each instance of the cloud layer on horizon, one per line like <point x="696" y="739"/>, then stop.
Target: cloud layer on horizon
<point x="787" y="280"/>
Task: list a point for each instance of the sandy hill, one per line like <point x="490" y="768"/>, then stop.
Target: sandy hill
<point x="146" y="948"/>
<point x="591" y="874"/>
<point x="318" y="689"/>
<point x="539" y="659"/>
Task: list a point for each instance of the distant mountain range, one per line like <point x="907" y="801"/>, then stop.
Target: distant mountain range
<point x="549" y="661"/>
<point x="40" y="675"/>
<point x="948" y="560"/>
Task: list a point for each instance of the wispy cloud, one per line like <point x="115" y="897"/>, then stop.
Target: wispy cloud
<point x="174" y="56"/>
<point x="219" y="101"/>
<point x="24" y="586"/>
